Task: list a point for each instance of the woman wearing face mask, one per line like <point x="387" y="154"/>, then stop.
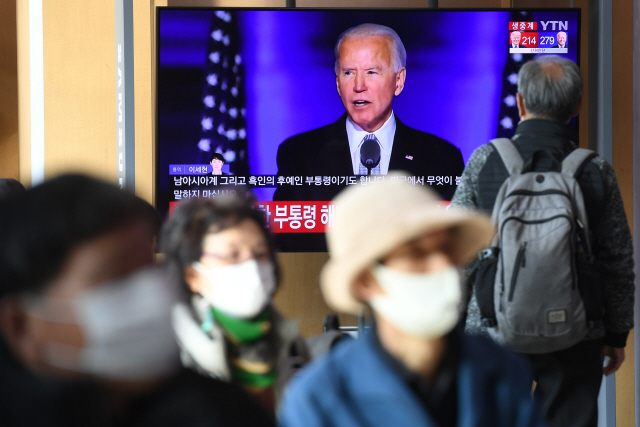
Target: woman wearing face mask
<point x="85" y="318"/>
<point x="412" y="367"/>
<point x="227" y="327"/>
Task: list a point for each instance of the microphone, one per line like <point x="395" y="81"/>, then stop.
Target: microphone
<point x="370" y="154"/>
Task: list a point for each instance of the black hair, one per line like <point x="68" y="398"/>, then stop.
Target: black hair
<point x="217" y="156"/>
<point x="10" y="187"/>
<point x="182" y="236"/>
<point x="40" y="228"/>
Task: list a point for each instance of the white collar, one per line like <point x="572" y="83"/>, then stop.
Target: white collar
<point x="384" y="134"/>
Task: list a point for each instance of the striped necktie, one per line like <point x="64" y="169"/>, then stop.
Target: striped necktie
<point x="369" y="150"/>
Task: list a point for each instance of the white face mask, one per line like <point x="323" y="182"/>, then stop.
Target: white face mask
<point x="126" y="326"/>
<point x="419" y="304"/>
<point x="241" y="290"/>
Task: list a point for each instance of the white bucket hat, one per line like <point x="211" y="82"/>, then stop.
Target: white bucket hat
<point x="372" y="220"/>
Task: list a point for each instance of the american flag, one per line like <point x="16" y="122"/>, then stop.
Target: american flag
<point x="223" y="114"/>
<point x="508" y="117"/>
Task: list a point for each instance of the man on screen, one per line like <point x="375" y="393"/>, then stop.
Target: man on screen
<point x="370" y="73"/>
<point x="562" y="39"/>
<point x="217" y="161"/>
<point x="515" y="40"/>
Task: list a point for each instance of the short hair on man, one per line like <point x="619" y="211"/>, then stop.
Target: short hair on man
<point x="398" y="52"/>
<point x="217" y="156"/>
<point x="40" y="228"/>
<point x="551" y="87"/>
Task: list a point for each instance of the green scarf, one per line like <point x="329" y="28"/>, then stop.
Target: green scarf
<point x="253" y="379"/>
<point x="242" y="332"/>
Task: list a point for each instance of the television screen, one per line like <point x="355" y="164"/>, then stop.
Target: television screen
<point x="255" y="98"/>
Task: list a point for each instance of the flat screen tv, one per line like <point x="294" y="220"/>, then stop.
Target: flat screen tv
<point x="233" y="84"/>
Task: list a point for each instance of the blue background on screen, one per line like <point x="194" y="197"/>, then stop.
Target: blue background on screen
<point x="455" y="62"/>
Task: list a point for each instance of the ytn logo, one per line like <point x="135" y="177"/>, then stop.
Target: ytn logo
<point x="561" y="25"/>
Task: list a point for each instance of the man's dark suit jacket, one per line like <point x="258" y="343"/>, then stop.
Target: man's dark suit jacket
<point x="325" y="152"/>
<point x="561" y="46"/>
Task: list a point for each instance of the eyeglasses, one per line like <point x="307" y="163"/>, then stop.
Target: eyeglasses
<point x="238" y="257"/>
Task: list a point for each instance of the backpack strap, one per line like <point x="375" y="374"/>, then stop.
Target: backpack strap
<point x="509" y="153"/>
<point x="576" y="161"/>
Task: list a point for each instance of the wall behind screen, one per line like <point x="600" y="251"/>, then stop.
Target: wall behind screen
<point x="9" y="147"/>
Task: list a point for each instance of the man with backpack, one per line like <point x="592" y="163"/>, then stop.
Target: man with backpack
<point x="557" y="282"/>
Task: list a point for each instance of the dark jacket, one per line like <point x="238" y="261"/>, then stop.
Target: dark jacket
<point x="185" y="400"/>
<point x="356" y="385"/>
<point x="612" y="242"/>
<point x="325" y="152"/>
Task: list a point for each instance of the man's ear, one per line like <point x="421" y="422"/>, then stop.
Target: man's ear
<point x="338" y="86"/>
<point x="14" y="327"/>
<point x="401" y="75"/>
<point x="522" y="110"/>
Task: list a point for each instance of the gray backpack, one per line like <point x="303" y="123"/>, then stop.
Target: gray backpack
<point x="529" y="289"/>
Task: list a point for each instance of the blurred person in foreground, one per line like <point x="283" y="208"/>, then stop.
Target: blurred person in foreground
<point x="85" y="332"/>
<point x="10" y="186"/>
<point x="227" y="327"/>
<point x="412" y="367"/>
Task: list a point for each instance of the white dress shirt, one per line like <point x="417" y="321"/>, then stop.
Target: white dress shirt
<point x="385" y="136"/>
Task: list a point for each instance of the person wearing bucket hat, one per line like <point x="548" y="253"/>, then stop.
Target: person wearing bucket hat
<point x="395" y="250"/>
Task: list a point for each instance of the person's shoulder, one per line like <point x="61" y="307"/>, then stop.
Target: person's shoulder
<point x="413" y="132"/>
<point x="599" y="167"/>
<point x="315" y="134"/>
<point x="413" y="135"/>
<point x="320" y="386"/>
<point x="500" y="381"/>
<point x="481" y="153"/>
<point x="489" y="366"/>
<point x="605" y="171"/>
<point x="326" y="370"/>
<point x="601" y="163"/>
